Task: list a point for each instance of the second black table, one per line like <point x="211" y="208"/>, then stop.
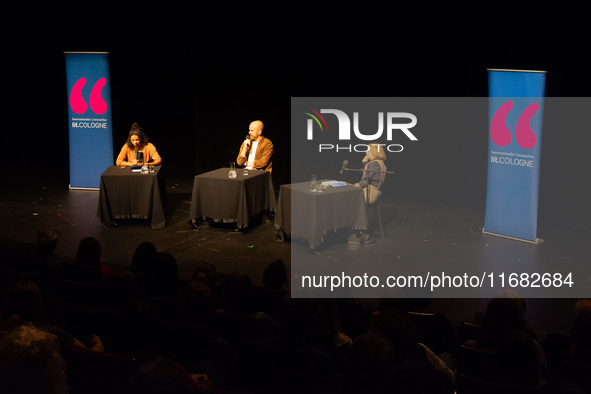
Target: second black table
<point x="231" y="200"/>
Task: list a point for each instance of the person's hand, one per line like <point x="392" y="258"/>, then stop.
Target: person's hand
<point x="245" y="147"/>
<point x="356" y="185"/>
<point x="96" y="343"/>
<point x="134" y="162"/>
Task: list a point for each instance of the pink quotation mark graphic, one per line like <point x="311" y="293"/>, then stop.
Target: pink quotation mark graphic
<point x="78" y="104"/>
<point x="525" y="136"/>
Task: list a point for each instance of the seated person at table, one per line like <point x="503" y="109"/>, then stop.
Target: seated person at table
<point x="256" y="151"/>
<point x="373" y="178"/>
<point x="374" y="172"/>
<point x="138" y="140"/>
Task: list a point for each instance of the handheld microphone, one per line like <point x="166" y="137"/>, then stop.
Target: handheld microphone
<point x="247" y="138"/>
<point x="345" y="163"/>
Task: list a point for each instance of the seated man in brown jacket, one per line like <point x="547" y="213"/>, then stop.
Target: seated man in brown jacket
<point x="256" y="151"/>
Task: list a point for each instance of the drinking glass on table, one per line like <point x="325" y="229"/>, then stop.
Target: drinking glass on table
<point x="232" y="172"/>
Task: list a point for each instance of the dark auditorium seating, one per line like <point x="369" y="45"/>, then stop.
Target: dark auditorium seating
<point x="18" y="263"/>
<point x="93" y="372"/>
<point x="557" y="349"/>
<point x="435" y="331"/>
<point x="467" y="384"/>
<point x="467" y="331"/>
<point x="8" y="278"/>
<point x="83" y="293"/>
<point x="168" y="309"/>
<point x="272" y="369"/>
<point x="230" y="326"/>
<point x="580" y="373"/>
<point x="82" y="273"/>
<point x="82" y="321"/>
<point x="187" y="344"/>
<point x="476" y="362"/>
<point x="268" y="300"/>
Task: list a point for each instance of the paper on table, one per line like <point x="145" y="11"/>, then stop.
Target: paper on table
<point x="334" y="183"/>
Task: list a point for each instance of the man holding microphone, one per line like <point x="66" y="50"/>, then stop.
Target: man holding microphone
<point x="256" y="150"/>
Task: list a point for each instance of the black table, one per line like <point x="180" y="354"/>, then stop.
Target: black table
<point x="307" y="215"/>
<point x="231" y="200"/>
<point x="125" y="194"/>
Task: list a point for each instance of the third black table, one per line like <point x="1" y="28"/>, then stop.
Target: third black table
<point x="307" y="215"/>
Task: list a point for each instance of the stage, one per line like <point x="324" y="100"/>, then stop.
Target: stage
<point x="415" y="234"/>
<point x="195" y="94"/>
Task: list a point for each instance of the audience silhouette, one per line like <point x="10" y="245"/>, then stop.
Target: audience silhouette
<point x="222" y="332"/>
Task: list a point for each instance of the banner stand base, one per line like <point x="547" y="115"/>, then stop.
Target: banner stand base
<point x="96" y="189"/>
<point x="538" y="241"/>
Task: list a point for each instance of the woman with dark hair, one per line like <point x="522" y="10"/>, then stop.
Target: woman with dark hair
<point x="162" y="287"/>
<point x="164" y="278"/>
<point x="137" y="139"/>
<point x="275" y="275"/>
<point x="238" y="293"/>
<point x="89" y="254"/>
<point x="143" y="259"/>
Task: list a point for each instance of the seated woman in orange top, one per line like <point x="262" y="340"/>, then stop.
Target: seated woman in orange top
<point x="138" y="140"/>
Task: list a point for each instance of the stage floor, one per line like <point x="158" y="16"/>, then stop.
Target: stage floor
<point x="414" y="235"/>
<point x="38" y="201"/>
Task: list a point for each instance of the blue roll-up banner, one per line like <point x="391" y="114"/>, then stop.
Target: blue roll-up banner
<point x="516" y="108"/>
<point x="89" y="117"/>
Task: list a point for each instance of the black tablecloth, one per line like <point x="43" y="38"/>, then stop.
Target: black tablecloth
<point x="231" y="200"/>
<point x="305" y="215"/>
<point x="125" y="194"/>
